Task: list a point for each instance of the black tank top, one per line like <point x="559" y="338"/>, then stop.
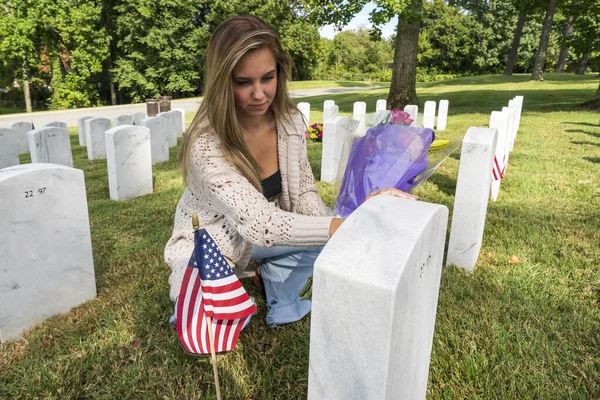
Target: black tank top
<point x="271" y="186"/>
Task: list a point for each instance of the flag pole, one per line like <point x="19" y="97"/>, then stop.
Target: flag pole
<point x="214" y="357"/>
<point x="196" y="225"/>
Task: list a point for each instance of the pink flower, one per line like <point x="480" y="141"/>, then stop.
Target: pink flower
<point x="400" y="117"/>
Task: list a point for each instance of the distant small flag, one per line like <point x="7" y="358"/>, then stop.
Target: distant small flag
<point x="32" y="125"/>
<point x="210" y="289"/>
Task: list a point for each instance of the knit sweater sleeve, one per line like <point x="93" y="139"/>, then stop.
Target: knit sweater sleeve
<point x="256" y="219"/>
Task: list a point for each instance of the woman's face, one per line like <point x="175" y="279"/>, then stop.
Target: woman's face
<point x="254" y="83"/>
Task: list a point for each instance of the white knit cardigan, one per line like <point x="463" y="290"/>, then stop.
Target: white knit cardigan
<point x="237" y="215"/>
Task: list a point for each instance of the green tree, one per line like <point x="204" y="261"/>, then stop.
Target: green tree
<point x="21" y="39"/>
<point x="340" y="12"/>
<point x="540" y="58"/>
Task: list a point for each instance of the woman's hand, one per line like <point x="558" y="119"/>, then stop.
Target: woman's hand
<point x="392" y="192"/>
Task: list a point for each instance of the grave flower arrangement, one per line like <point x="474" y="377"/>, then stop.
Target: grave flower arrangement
<point x="315" y="132"/>
<point x="391" y="154"/>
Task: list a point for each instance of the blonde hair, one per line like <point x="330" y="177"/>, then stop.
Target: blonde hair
<point x="230" y="42"/>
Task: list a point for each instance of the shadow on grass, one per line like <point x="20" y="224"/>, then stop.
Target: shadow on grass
<point x="581" y="123"/>
<point x="586" y="143"/>
<point x="444" y="183"/>
<point x="593" y="134"/>
<point x="595" y="160"/>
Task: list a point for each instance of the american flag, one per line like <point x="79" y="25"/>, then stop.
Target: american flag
<point x="498" y="169"/>
<point x="210" y="289"/>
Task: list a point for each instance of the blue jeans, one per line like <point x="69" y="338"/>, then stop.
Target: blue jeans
<point x="284" y="271"/>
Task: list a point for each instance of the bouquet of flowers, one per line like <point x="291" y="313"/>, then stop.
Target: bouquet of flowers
<point x="315" y="132"/>
<point x="391" y="154"/>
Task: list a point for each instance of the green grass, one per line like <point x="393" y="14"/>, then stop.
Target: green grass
<point x="333" y="84"/>
<point x="5" y="110"/>
<point x="529" y="330"/>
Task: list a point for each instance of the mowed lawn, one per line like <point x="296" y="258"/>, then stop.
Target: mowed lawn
<point x="529" y="329"/>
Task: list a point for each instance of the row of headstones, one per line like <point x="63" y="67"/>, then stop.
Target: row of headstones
<point x="507" y="123"/>
<point x="377" y="343"/>
<point x="56" y="272"/>
<point x="51" y="143"/>
<point x="165" y="128"/>
<point x="16" y="139"/>
<point x="335" y="127"/>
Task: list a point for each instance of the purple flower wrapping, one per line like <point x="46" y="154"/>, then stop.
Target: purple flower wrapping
<point x="387" y="156"/>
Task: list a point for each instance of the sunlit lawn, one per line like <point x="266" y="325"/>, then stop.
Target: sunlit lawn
<point x="506" y="331"/>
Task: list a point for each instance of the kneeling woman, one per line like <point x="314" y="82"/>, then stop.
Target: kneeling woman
<point x="247" y="173"/>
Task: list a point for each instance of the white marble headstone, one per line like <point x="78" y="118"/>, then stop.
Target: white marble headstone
<point x="375" y="295"/>
<point x="413" y="111"/>
<point x="334" y="133"/>
<point x="510" y="129"/>
<point x="138" y="117"/>
<point x="304" y="109"/>
<point x="46" y="248"/>
<point x="472" y="194"/>
<point x="9" y="148"/>
<point x="359" y="113"/>
<point x="442" y="115"/>
<point x="519" y="100"/>
<point x="381" y="105"/>
<point x="81" y="130"/>
<point x="22" y="128"/>
<point x="330" y="110"/>
<point x="123" y="120"/>
<point x="499" y="121"/>
<point x="177" y="122"/>
<point x="181" y="113"/>
<point x="129" y="162"/>
<point x="50" y="144"/>
<point x="170" y="126"/>
<point x="429" y="114"/>
<point x="95" y="131"/>
<point x="57" y="124"/>
<point x="159" y="138"/>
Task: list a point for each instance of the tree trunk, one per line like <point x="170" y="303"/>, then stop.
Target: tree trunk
<point x="540" y="57"/>
<point x="580" y="70"/>
<point x="26" y="91"/>
<point x="514" y="48"/>
<point x="27" y="96"/>
<point x="113" y="91"/>
<point x="403" y="89"/>
<point x="564" y="47"/>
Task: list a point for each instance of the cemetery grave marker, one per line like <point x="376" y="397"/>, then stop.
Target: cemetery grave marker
<point x="181" y="113"/>
<point x="376" y="343"/>
<point x="499" y="121"/>
<point x="50" y="144"/>
<point x="9" y="148"/>
<point x="472" y="194"/>
<point x="95" y="131"/>
<point x="170" y="127"/>
<point x="442" y="115"/>
<point x="123" y="120"/>
<point x="413" y="111"/>
<point x="159" y="138"/>
<point x="47" y="264"/>
<point x="22" y="128"/>
<point x="57" y="124"/>
<point x="138" y="117"/>
<point x="304" y="109"/>
<point x="129" y="162"/>
<point x="429" y="114"/>
<point x="81" y="130"/>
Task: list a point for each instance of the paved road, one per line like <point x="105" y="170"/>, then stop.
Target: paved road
<point x="189" y="105"/>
